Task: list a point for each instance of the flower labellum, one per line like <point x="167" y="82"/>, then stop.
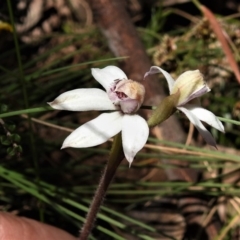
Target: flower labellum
<point x="122" y="95"/>
<point x="128" y="94"/>
<point x="191" y="85"/>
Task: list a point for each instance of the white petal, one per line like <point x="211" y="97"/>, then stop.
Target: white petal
<point x="155" y="69"/>
<point x="197" y="123"/>
<point x="83" y="100"/>
<point x="191" y="85"/>
<point x="194" y="95"/>
<point x="95" y="132"/>
<point x="206" y="116"/>
<point x="107" y="75"/>
<point x="135" y="133"/>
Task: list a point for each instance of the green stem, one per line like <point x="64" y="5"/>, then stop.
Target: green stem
<point x="197" y="4"/>
<point x="25" y="95"/>
<point x="21" y="74"/>
<point x="116" y="156"/>
<point x="227" y="120"/>
<point x="26" y="111"/>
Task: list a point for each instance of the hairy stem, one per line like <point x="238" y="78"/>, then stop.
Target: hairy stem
<point x="116" y="156"/>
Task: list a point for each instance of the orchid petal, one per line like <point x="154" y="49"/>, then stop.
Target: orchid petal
<point x="197" y="123"/>
<point x="95" y="132"/>
<point x="206" y="116"/>
<point x="135" y="133"/>
<point x="155" y="69"/>
<point x="108" y="75"/>
<point x="194" y="95"/>
<point x="191" y="85"/>
<point x="83" y="100"/>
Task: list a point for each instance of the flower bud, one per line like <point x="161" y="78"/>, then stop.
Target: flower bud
<point x="191" y="85"/>
<point x="128" y="94"/>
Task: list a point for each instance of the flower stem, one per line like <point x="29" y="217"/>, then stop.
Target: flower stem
<point x="116" y="156"/>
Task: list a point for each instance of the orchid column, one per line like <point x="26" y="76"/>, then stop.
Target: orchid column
<point x="123" y="97"/>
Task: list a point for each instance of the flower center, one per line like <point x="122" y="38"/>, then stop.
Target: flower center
<point x="128" y="94"/>
<point x="121" y="95"/>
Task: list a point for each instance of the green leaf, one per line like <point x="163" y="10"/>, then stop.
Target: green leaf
<point x="11" y="151"/>
<point x="3" y="108"/>
<point x="15" y="138"/>
<point x="5" y="140"/>
<point x="10" y="126"/>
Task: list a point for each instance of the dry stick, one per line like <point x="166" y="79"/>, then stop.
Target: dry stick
<point x="116" y="156"/>
<point x="122" y="37"/>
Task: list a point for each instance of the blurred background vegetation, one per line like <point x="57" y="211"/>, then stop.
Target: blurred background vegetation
<point x="51" y="50"/>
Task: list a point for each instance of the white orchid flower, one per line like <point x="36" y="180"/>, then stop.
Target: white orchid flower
<point x="122" y="95"/>
<point x="190" y="85"/>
